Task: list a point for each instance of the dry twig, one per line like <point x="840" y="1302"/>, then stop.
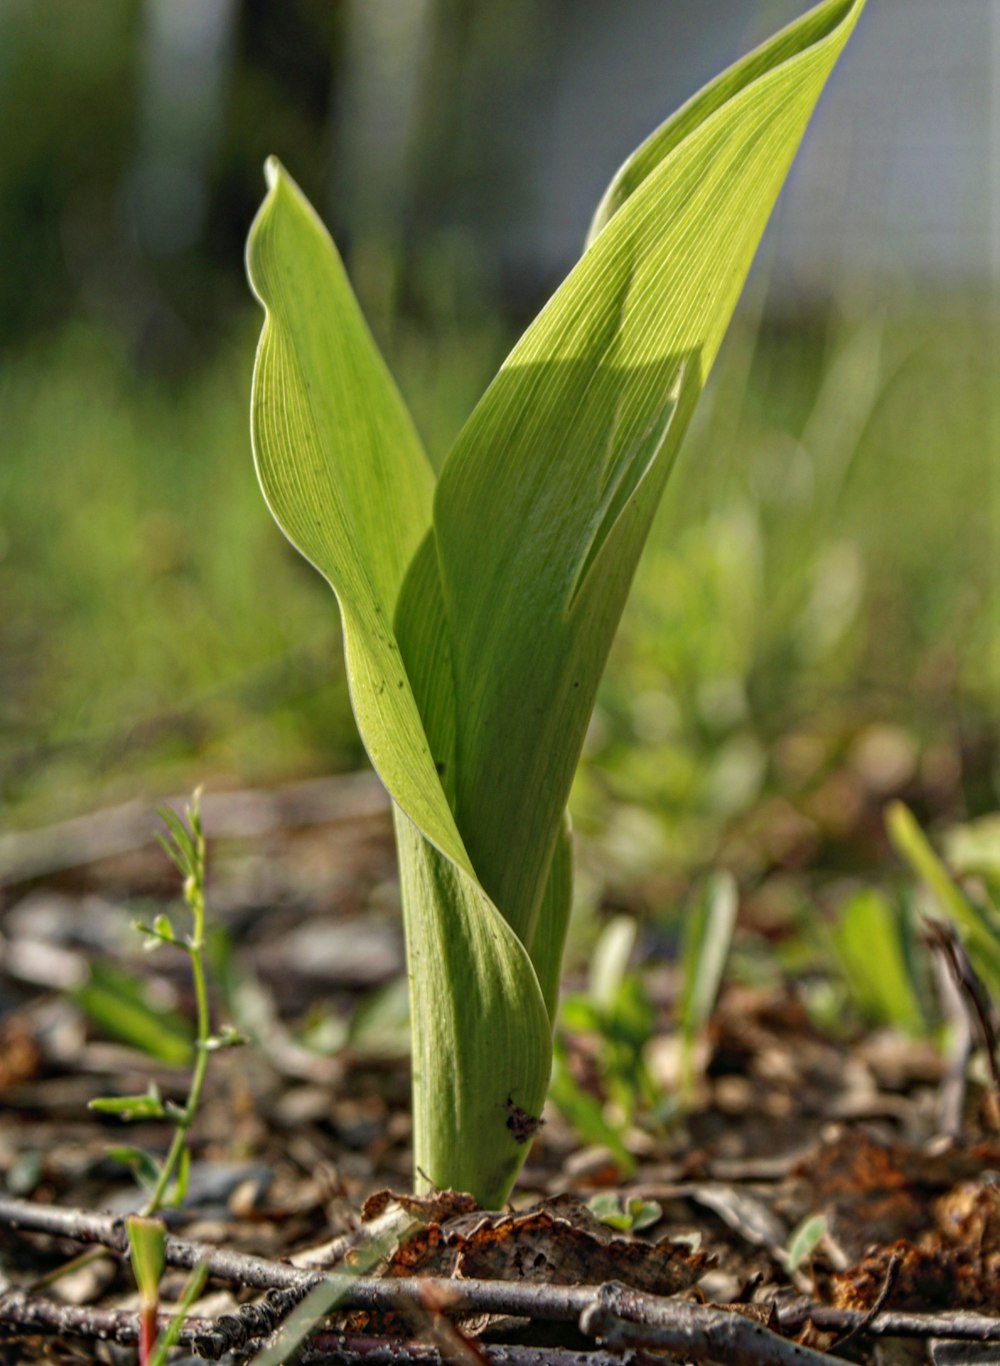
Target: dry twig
<point x="22" y="1316"/>
<point x="620" y="1317"/>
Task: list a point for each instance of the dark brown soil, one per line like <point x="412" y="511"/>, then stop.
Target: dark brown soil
<point x="868" y="1130"/>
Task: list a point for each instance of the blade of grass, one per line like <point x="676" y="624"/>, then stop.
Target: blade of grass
<point x="707" y="936"/>
<point x="982" y="938"/>
<point x="867" y="939"/>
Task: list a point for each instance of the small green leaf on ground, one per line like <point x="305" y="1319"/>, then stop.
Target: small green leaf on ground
<point x="805" y="1239"/>
<point x="628" y="1213"/>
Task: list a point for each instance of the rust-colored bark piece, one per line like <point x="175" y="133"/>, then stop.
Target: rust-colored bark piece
<point x="880" y="1193"/>
<point x="929" y="1278"/>
<point x="558" y="1241"/>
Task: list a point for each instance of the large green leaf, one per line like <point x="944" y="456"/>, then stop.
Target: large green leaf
<point x="343" y="472"/>
<point x="544" y="503"/>
<point x="475" y="639"/>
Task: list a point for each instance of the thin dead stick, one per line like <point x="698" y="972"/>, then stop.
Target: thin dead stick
<point x="523" y="1299"/>
<point x="952" y="1325"/>
<point x="81" y="1226"/>
<point x="973" y="995"/>
<point x="24" y="1315"/>
<point x="553" y="1302"/>
<point x="21" y="1316"/>
<point x="951" y="1100"/>
<point x="621" y="1317"/>
<point x="331" y="1347"/>
<point x="699" y="1331"/>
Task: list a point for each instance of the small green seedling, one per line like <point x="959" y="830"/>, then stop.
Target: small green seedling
<point x="804" y="1241"/>
<point x="167" y="1181"/>
<point x="147" y="1252"/>
<point x="146" y="1243"/>
<point x="193" y="1287"/>
<point x="873" y="943"/>
<point x="977" y="923"/>
<point x="707" y="937"/>
<point x="478" y="610"/>
<point x="625" y="1213"/>
<point x="615" y="1014"/>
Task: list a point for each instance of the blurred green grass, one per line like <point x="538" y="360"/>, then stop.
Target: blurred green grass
<point x="155" y="628"/>
<point x="816" y="624"/>
<point x="820" y="595"/>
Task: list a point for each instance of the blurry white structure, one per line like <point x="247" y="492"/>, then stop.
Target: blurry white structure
<point x="900" y="172"/>
<point x="902" y="167"/>
<point x="377" y="108"/>
<point x="899" y="176"/>
<point x="187" y="50"/>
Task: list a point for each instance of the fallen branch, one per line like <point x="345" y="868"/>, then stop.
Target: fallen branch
<point x="621" y="1317"/>
<point x="618" y="1315"/>
<point x="950" y="1325"/>
<point x="691" y="1329"/>
<point x="22" y="1316"/>
<point x="80" y="1226"/>
<point x="330" y="1347"/>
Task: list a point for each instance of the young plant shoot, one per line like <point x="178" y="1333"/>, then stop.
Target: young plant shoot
<point x="478" y="614"/>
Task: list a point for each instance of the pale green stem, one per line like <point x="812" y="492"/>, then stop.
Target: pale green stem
<point x="194" y="892"/>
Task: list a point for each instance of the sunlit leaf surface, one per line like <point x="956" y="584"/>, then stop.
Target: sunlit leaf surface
<point x="478" y="618"/>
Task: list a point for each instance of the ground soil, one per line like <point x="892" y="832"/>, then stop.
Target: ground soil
<point x="881" y="1136"/>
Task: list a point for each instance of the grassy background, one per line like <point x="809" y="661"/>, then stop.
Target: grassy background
<point x="820" y="594"/>
<point x="814" y="627"/>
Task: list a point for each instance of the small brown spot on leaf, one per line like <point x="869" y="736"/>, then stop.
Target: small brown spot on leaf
<point x="522" y="1125"/>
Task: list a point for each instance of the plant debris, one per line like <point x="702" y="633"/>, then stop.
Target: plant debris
<point x="298" y="1160"/>
<point x="557" y="1241"/>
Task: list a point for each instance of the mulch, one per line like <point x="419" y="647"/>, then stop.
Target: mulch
<point x="302" y="1144"/>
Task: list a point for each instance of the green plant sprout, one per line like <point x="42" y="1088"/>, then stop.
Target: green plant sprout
<point x="875" y="945"/>
<point x="167" y="1181"/>
<point x="706" y="940"/>
<point x="977" y="923"/>
<point x="167" y="1340"/>
<point x="146" y="1244"/>
<point x="112" y="998"/>
<point x="478" y="613"/>
<point x="147" y="1248"/>
<point x="615" y="1012"/>
<point x="625" y="1213"/>
<point x="803" y="1241"/>
<point x="322" y="1300"/>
